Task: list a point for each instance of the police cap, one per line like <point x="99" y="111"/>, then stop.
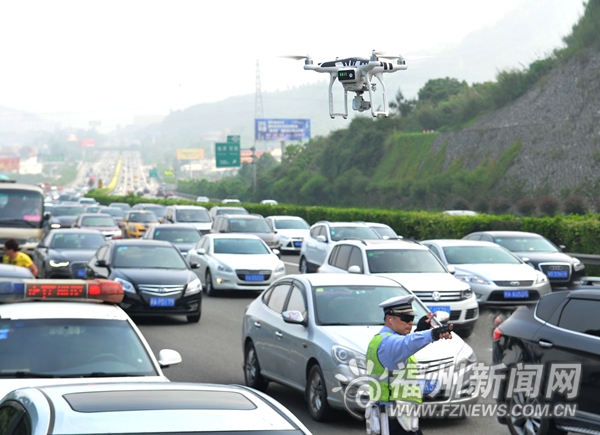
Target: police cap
<point x="398" y="305"/>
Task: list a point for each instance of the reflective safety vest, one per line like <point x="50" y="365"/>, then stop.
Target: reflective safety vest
<point x="401" y="385"/>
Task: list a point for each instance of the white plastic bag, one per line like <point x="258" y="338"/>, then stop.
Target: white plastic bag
<point x="409" y="417"/>
<point x="372" y="419"/>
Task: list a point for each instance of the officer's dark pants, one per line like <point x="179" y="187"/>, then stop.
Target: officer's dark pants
<point x="396" y="429"/>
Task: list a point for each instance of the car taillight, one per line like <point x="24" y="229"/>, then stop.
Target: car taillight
<point x="496" y="334"/>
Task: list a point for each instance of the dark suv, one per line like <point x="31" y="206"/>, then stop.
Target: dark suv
<point x="249" y="224"/>
<point x="558" y="340"/>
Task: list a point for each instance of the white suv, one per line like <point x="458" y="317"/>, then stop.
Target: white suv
<point x="324" y="235"/>
<point x="415" y="267"/>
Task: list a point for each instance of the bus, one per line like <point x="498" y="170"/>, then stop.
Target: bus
<point x="21" y="215"/>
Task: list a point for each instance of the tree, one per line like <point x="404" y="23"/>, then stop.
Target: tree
<point x="438" y="90"/>
<point x="402" y="105"/>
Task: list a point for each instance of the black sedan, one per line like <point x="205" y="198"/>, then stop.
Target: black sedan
<point x="184" y="236"/>
<point x="63" y="215"/>
<point x="560" y="268"/>
<point x="156" y="278"/>
<point x="63" y="253"/>
<point x="556" y="345"/>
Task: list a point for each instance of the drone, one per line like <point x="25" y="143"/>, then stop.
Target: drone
<point x="356" y="75"/>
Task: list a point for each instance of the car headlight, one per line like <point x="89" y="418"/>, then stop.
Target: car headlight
<point x="32" y="240"/>
<point x="54" y="226"/>
<point x="466" y="356"/>
<point x="223" y="268"/>
<point x="280" y="268"/>
<point x="466" y="294"/>
<point x="541" y="277"/>
<point x="344" y="355"/>
<point x="127" y="286"/>
<point x="474" y="279"/>
<point x="193" y="287"/>
<point x="53" y="263"/>
<point x="577" y="265"/>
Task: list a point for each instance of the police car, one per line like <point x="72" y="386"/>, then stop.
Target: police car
<point x="59" y="331"/>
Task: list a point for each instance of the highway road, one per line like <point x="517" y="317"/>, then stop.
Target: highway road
<point x="212" y="352"/>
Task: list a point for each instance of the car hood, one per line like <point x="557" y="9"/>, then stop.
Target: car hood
<point x="184" y="247"/>
<point x="427" y="281"/>
<point x="498" y="272"/>
<point x="104" y="229"/>
<point x="71" y="254"/>
<point x="358" y="338"/>
<point x="9" y="384"/>
<point x="63" y="220"/>
<point x="250" y="261"/>
<point x="546" y="257"/>
<point x="155" y="276"/>
<point x="293" y="233"/>
<point x="205" y="226"/>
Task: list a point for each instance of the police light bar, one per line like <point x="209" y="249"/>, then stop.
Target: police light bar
<point x="12" y="290"/>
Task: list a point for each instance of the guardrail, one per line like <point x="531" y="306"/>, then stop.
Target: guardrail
<point x="587" y="259"/>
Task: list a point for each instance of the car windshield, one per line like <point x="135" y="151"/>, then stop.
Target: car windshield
<point x="192" y="215"/>
<point x="77" y="241"/>
<point x="142" y="217"/>
<point x="98" y="221"/>
<point x="148" y="257"/>
<point x="385" y="232"/>
<point x="71" y="347"/>
<point x="340" y="233"/>
<point x="478" y="255"/>
<point x="355" y="304"/>
<point x="177" y="235"/>
<point x="159" y="211"/>
<point x="113" y="211"/>
<point x="526" y="244"/>
<point x="67" y="211"/>
<point x="239" y="246"/>
<point x="403" y="261"/>
<point x="232" y="210"/>
<point x="249" y="226"/>
<point x="291" y="224"/>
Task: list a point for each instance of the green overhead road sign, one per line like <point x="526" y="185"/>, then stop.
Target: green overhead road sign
<point x="227" y="154"/>
<point x="233" y="139"/>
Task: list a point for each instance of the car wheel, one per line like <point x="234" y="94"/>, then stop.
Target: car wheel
<point x="252" y="375"/>
<point x="316" y="395"/>
<point x="210" y="288"/>
<point x="303" y="265"/>
<point x="531" y="424"/>
<point x="465" y="332"/>
<point x="194" y="318"/>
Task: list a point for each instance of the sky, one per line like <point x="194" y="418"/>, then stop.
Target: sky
<point x="89" y="60"/>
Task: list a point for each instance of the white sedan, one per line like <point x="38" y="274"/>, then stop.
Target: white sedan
<point x="234" y="261"/>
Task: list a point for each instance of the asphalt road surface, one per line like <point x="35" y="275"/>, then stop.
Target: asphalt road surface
<point x="212" y="352"/>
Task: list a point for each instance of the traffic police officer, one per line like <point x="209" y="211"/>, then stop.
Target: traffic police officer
<point x="391" y="352"/>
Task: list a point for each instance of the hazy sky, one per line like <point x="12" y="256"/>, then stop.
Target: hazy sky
<point x="100" y="60"/>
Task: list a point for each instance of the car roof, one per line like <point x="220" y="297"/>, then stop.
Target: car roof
<point x="136" y="242"/>
<point x="12" y="271"/>
<point x="461" y="242"/>
<point x="326" y="279"/>
<point x="75" y="230"/>
<point x="283" y="216"/>
<point x="180" y="206"/>
<point x="385" y="243"/>
<point x="341" y="224"/>
<point x="584" y="294"/>
<point x="231" y="236"/>
<point x="62" y="310"/>
<point x="509" y="233"/>
<point x="173" y="407"/>
<point x="240" y="216"/>
<point x="173" y="226"/>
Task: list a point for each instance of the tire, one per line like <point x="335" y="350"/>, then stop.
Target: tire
<point x="316" y="395"/>
<point x="194" y="318"/>
<point x="529" y="425"/>
<point x="210" y="288"/>
<point x="466" y="332"/>
<point x="303" y="265"/>
<point x="252" y="375"/>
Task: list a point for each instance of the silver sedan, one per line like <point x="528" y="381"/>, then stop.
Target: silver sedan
<point x="235" y="261"/>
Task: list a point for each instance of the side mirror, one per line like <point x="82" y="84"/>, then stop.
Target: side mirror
<point x="168" y="357"/>
<point x="201" y="251"/>
<point x="293" y="316"/>
<point x="195" y="265"/>
<point x="442" y="317"/>
<point x="354" y="269"/>
<point x="451" y="269"/>
<point x="321" y="238"/>
<point x="276" y="252"/>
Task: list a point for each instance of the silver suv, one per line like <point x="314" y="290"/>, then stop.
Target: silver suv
<point x="324" y="235"/>
<point x="415" y="267"/>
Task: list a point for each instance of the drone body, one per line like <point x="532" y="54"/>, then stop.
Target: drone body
<point x="356" y="75"/>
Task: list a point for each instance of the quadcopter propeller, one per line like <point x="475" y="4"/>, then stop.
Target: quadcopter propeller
<point x="307" y="58"/>
<point x="387" y="55"/>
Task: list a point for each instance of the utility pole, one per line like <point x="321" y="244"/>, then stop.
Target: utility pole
<point x="258" y="114"/>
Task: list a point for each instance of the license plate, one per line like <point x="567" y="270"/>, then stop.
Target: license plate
<point x="298" y="244"/>
<point x="558" y="274"/>
<point x="516" y="294"/>
<point x="162" y="302"/>
<point x="428" y="386"/>
<point x="81" y="273"/>
<point x="433" y="309"/>
<point x="255" y="277"/>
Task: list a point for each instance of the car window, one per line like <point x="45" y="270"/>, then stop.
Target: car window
<point x="297" y="301"/>
<point x="147" y="257"/>
<point x="67" y="211"/>
<point x="403" y="261"/>
<point x="478" y="255"/>
<point x="356" y="258"/>
<point x="291" y="224"/>
<point x="142" y="217"/>
<point x="340" y="233"/>
<point x="548" y="305"/>
<point x="72" y="347"/>
<point x="192" y="215"/>
<point x="473" y="237"/>
<point x="526" y="244"/>
<point x="579" y="315"/>
<point x="341" y="260"/>
<point x="77" y="241"/>
<point x="102" y="253"/>
<point x="98" y="221"/>
<point x="355" y="305"/>
<point x="315" y="232"/>
<point x="177" y="235"/>
<point x="239" y="246"/>
<point x="14" y="417"/>
<point x="277" y="297"/>
<point x="435" y="250"/>
<point x="385" y="232"/>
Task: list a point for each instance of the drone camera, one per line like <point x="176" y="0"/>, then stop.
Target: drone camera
<point x="347" y="75"/>
<point x="359" y="103"/>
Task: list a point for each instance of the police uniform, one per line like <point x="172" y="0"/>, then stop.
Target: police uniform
<point x="392" y="353"/>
